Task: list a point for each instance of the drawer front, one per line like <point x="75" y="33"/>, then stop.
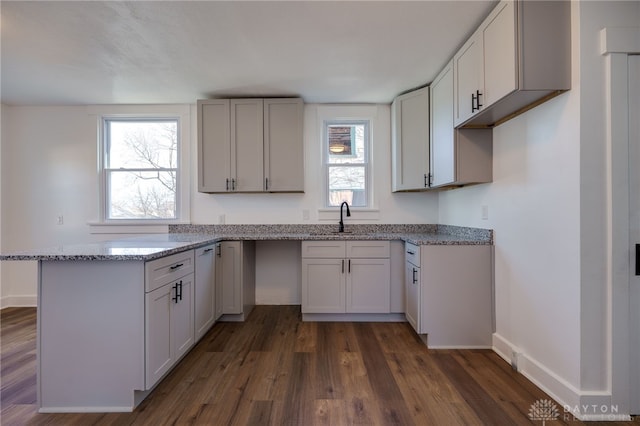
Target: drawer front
<point x="323" y="249"/>
<point x="412" y="253"/>
<point x="166" y="269"/>
<point x="368" y="249"/>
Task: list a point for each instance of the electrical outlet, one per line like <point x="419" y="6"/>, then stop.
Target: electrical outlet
<point x="305" y="214"/>
<point x="485" y="212"/>
<point x="221" y="219"/>
<point x="60" y="220"/>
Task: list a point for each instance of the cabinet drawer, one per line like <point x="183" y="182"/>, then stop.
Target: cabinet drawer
<point x="166" y="269"/>
<point x="412" y="253"/>
<point x="368" y="249"/>
<point x="324" y="249"/>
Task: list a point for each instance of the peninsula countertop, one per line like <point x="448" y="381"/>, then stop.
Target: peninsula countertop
<point x="187" y="237"/>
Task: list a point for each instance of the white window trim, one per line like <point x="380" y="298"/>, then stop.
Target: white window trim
<point x="180" y="112"/>
<point x="345" y="112"/>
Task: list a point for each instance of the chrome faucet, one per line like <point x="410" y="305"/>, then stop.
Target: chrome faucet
<point x="344" y="203"/>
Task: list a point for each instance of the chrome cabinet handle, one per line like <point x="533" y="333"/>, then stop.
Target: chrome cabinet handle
<point x="415" y="280"/>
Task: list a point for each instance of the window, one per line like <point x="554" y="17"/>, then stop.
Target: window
<point x="140" y="170"/>
<point x="346" y="161"/>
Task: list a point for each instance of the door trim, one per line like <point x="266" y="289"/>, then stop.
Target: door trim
<point x="617" y="44"/>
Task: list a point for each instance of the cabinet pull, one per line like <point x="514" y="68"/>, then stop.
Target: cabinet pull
<point x="173" y="268"/>
<point x="266" y="184"/>
<point x="429" y="179"/>
<point x="179" y="285"/>
<point x="349" y="265"/>
<point x="207" y="250"/>
<point x="175" y="292"/>
<point x="411" y="252"/>
<point x="233" y="184"/>
<point x="476" y="98"/>
<point x="227" y="184"/>
<point x="343" y="266"/>
<point x="415" y="280"/>
<point x="219" y="250"/>
<point x="426" y="183"/>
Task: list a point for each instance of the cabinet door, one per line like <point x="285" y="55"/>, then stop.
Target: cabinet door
<point x="457" y="302"/>
<point x="247" y="145"/>
<point x="283" y="145"/>
<point x="323" y="285"/>
<point x="205" y="290"/>
<point x="368" y="285"/>
<point x="158" y="353"/>
<point x="231" y="277"/>
<point x="182" y="313"/>
<point x="410" y="151"/>
<point x="469" y="79"/>
<point x="219" y="302"/>
<point x="412" y="294"/>
<point x="214" y="145"/>
<point x="443" y="153"/>
<point x="499" y="38"/>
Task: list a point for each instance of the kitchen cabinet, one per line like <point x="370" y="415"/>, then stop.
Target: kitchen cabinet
<point x="219" y="305"/>
<point x="458" y="156"/>
<point x="503" y="68"/>
<point x="237" y="278"/>
<point x="205" y="289"/>
<point x="169" y="313"/>
<point x="283" y="145"/>
<point x="410" y="141"/>
<point x="454" y="287"/>
<point x="346" y="277"/>
<point x="250" y="145"/>
<point x="412" y="284"/>
<point x="247" y="147"/>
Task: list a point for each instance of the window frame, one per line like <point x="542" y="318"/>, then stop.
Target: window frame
<point x="366" y="165"/>
<point x="182" y="118"/>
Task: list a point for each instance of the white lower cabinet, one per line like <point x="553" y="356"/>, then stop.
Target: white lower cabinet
<point x="346" y="277"/>
<point x="449" y="294"/>
<point x="169" y="314"/>
<point x="323" y="286"/>
<point x="412" y="288"/>
<point x="235" y="280"/>
<point x="205" y="289"/>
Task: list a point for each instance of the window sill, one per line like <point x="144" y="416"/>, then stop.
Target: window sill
<point x="132" y="227"/>
<point x="356" y="214"/>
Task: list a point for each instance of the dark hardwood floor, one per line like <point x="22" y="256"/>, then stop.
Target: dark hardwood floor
<point x="276" y="370"/>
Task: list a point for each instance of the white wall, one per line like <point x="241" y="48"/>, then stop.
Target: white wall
<point x="49" y="168"/>
<point x="549" y="207"/>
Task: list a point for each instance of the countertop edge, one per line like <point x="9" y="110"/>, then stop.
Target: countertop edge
<point x="204" y="240"/>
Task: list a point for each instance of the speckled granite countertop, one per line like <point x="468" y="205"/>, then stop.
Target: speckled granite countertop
<point x="186" y="237"/>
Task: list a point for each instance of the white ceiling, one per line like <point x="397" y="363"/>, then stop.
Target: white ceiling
<point x="104" y="52"/>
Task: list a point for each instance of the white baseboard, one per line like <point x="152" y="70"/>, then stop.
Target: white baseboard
<point x="18" y="301"/>
<point x="572" y="403"/>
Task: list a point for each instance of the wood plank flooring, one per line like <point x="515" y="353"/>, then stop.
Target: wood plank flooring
<point x="275" y="369"/>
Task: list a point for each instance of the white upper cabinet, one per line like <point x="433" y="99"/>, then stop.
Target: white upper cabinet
<point x="283" y="153"/>
<point x="410" y="141"/>
<point x="504" y="68"/>
<point x="458" y="156"/>
<point x="214" y="145"/>
<point x="468" y="78"/>
<point x="499" y="45"/>
<point x="246" y="145"/>
<point x="250" y="145"/>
